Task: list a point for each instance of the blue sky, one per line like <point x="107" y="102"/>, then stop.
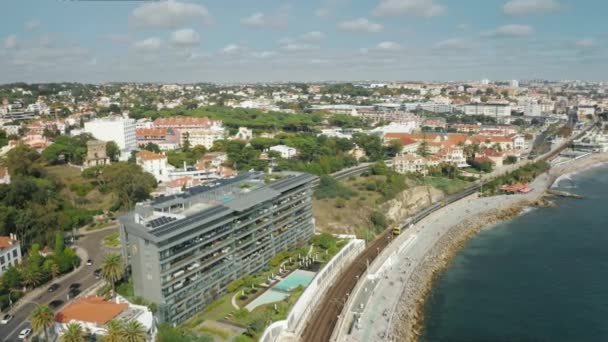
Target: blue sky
<point x="297" y="40"/>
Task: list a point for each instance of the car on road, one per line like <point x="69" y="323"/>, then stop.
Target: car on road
<point x="73" y="293"/>
<point x="74" y="286"/>
<point x="53" y="288"/>
<point x="89" y="262"/>
<point x="25" y="333"/>
<point x="6" y="318"/>
<point x="55" y="304"/>
<point x="97" y="273"/>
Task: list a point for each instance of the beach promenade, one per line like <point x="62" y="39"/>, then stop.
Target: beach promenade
<point x="384" y="307"/>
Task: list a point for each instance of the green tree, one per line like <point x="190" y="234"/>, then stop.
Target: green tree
<point x="31" y="277"/>
<point x="24" y="161"/>
<point x="114" y="331"/>
<point x="152" y="147"/>
<point x="423" y="149"/>
<point x="112" y="151"/>
<point x="42" y="318"/>
<point x="133" y="331"/>
<point x="112" y="270"/>
<point x="73" y="333"/>
<point x="11" y="278"/>
<point x="59" y="244"/>
<point x="129" y="182"/>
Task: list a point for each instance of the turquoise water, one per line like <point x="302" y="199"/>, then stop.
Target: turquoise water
<point x="281" y="290"/>
<point x="541" y="277"/>
<point x="295" y="279"/>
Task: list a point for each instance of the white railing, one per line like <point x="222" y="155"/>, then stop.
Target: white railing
<point x="311" y="297"/>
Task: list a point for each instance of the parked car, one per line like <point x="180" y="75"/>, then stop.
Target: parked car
<point x="53" y="287"/>
<point x="6" y="318"/>
<point x="97" y="273"/>
<point x="25" y="333"/>
<point x="74" y="286"/>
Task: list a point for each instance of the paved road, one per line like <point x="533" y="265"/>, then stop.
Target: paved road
<point x="91" y="243"/>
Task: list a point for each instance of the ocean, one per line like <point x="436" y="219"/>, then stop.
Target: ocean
<point x="542" y="276"/>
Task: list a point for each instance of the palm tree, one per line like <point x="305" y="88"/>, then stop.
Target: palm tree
<point x="42" y="318"/>
<point x="73" y="333"/>
<point x="115" y="331"/>
<point x="31" y="277"/>
<point x="55" y="270"/>
<point x="134" y="332"/>
<point x="112" y="270"/>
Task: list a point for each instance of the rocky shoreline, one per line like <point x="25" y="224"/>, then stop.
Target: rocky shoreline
<point x="410" y="312"/>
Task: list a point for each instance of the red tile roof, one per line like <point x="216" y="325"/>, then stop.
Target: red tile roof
<point x="147" y="155"/>
<point x="91" y="309"/>
<point x="154" y="132"/>
<point x="6" y="242"/>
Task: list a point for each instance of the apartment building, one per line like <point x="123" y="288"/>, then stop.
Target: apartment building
<point x="488" y="109"/>
<point x="155" y="163"/>
<point x="184" y="249"/>
<point x="120" y="129"/>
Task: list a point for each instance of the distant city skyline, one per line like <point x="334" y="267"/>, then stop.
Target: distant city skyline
<point x="244" y="41"/>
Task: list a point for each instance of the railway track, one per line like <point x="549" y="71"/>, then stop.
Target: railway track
<point x="323" y="322"/>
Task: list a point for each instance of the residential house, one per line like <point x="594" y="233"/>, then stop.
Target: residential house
<point x="154" y="163"/>
<point x="94" y="313"/>
<point x="5" y="177"/>
<point x="10" y="252"/>
<point x="285" y="151"/>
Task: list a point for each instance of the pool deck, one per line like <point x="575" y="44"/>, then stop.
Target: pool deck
<point x="272" y="296"/>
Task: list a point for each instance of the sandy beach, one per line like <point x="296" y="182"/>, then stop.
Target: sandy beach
<point x="441" y="235"/>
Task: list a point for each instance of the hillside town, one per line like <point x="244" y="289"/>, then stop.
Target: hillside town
<point x="151" y="157"/>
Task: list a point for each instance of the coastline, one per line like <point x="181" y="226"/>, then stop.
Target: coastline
<point x="409" y="316"/>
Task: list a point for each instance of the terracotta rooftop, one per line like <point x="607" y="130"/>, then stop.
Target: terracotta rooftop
<point x="6" y="242"/>
<point x="147" y="155"/>
<point x="177" y="121"/>
<point x="155" y="132"/>
<point x="91" y="309"/>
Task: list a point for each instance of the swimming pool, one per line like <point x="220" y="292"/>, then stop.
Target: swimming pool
<point x="295" y="279"/>
<point x="281" y="290"/>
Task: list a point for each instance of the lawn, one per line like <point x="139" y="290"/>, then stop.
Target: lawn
<point x="448" y="186"/>
<point x="112" y="240"/>
<point x="80" y="191"/>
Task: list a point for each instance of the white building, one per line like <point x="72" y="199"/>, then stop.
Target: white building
<point x="202" y="136"/>
<point x="488" y="109"/>
<point x="10" y="252"/>
<point x="244" y="133"/>
<point x="532" y="108"/>
<point x="514" y="84"/>
<point x="94" y="313"/>
<point x="285" y="151"/>
<point x="119" y="129"/>
<point x="156" y="164"/>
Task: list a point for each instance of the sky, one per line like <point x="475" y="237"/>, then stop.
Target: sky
<point x="302" y="40"/>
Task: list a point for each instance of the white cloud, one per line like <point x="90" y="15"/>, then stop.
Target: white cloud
<point x="260" y="20"/>
<point x="263" y="54"/>
<point x="388" y="46"/>
<point x="361" y="25"/>
<point x="509" y="31"/>
<point x="10" y="42"/>
<point x="312" y="36"/>
<point x="524" y="7"/>
<point x="32" y="25"/>
<point x="185" y="37"/>
<point x="148" y="45"/>
<point x="453" y="44"/>
<point x="419" y="8"/>
<point x="231" y="49"/>
<point x="291" y="47"/>
<point x="168" y="14"/>
<point x="585" y="43"/>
